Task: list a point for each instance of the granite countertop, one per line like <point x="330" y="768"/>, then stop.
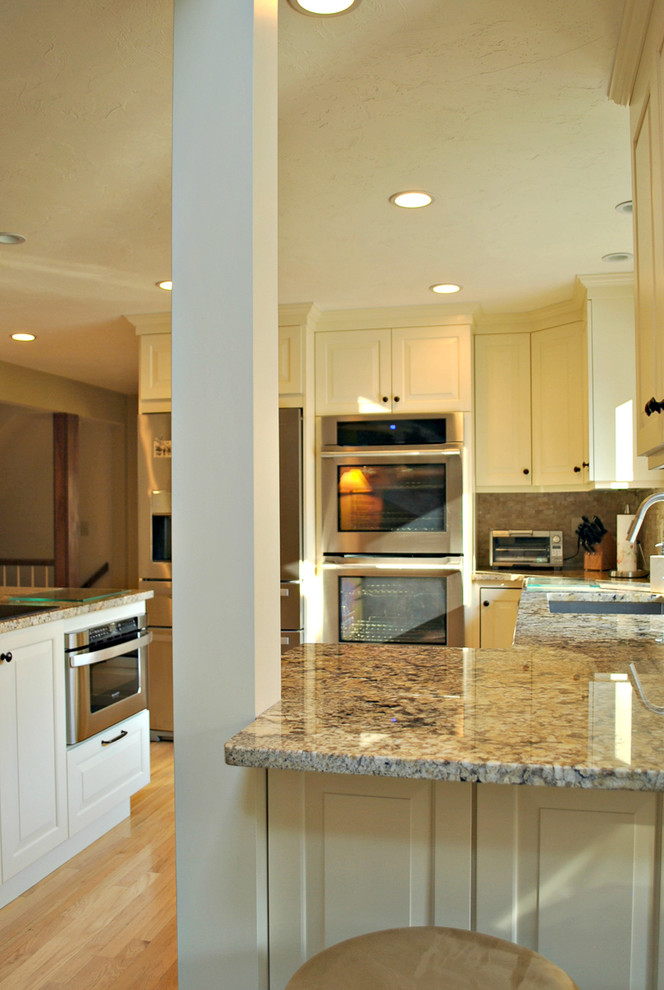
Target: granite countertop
<point x="557" y="709"/>
<point x="63" y="603"/>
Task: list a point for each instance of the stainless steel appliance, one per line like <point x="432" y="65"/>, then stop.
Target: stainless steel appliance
<point x="526" y="548"/>
<point x="392" y="485"/>
<point x="290" y="525"/>
<point x="393" y="601"/>
<point x="106" y="670"/>
<point x="155" y="564"/>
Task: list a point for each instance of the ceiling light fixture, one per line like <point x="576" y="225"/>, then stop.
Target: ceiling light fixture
<point x="618" y="256"/>
<point x="445" y="288"/>
<point x="7" y="238"/>
<point x="166" y="284"/>
<point x="23" y="336"/>
<point x="323" y="8"/>
<point x="412" y="199"/>
<point x="625" y="207"/>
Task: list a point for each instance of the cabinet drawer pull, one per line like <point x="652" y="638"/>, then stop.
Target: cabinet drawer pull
<point x="107" y="742"/>
<point x="8" y="657"/>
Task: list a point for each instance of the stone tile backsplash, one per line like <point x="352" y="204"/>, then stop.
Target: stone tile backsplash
<point x="562" y="510"/>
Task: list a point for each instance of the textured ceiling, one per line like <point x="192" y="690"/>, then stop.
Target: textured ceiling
<point x="498" y="109"/>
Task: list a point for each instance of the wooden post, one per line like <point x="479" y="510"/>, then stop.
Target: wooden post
<point x="65" y="500"/>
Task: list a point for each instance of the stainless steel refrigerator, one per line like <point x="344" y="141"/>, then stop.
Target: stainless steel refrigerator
<point x="154" y="563"/>
<point x="290" y="523"/>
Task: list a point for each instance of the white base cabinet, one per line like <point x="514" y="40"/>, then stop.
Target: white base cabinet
<point x="498" y="613"/>
<point x="54" y="799"/>
<point x="107" y="769"/>
<point x="33" y="779"/>
<point x="569" y="873"/>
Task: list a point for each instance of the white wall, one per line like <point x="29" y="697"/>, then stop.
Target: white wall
<point x="225" y="475"/>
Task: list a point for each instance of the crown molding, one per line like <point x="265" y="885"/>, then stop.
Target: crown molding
<point x="617" y="283"/>
<point x="555" y="315"/>
<point x="150" y="322"/>
<point x="633" y="29"/>
<point x="298" y="314"/>
<point x="392" y="317"/>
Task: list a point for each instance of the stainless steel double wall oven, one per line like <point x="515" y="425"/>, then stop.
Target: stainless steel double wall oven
<point x="392" y="529"/>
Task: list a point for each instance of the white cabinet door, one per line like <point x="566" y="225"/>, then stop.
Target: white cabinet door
<point x="560" y="406"/>
<point x="348" y="854"/>
<point x="33" y="785"/>
<point x="154" y="389"/>
<point x="431" y="369"/>
<point x="498" y="612"/>
<point x="353" y="372"/>
<point x="570" y="873"/>
<point x="502" y="410"/>
<point x="647" y="170"/>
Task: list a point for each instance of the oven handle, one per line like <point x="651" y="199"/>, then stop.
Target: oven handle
<point x="86" y="657"/>
<point x="394" y="452"/>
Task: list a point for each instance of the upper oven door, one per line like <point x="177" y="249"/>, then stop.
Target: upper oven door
<point x="392" y="501"/>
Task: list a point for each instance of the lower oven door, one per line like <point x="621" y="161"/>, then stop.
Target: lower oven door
<point x="393" y="602"/>
<point x="105" y="691"/>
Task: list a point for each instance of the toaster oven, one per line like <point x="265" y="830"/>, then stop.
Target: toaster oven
<point x="526" y="548"/>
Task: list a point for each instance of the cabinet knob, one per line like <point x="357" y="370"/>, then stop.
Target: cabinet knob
<point x="652" y="405"/>
<point x="8" y="657"/>
<point x="486" y="604"/>
<point x="396" y="398"/>
<point x="386" y="398"/>
<point x="526" y="470"/>
<point x="576" y="468"/>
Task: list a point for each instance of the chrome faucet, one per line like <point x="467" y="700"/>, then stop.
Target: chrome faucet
<point x="640" y="514"/>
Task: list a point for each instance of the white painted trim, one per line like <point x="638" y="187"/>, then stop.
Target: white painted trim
<point x="636" y="18"/>
<point x="381" y="318"/>
<point x="150" y="322"/>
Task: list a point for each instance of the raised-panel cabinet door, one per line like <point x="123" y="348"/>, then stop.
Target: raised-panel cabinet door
<point x="154" y="391"/>
<point x="348" y="854"/>
<point x="560" y="406"/>
<point x="33" y="785"/>
<point x="570" y="873"/>
<point x="647" y="169"/>
<point x="431" y="369"/>
<point x="353" y="373"/>
<point x="502" y="410"/>
<point x="498" y="611"/>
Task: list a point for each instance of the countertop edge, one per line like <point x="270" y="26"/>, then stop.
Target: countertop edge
<point x="69" y="610"/>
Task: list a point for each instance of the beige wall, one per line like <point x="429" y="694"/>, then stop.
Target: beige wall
<point x="107" y="436"/>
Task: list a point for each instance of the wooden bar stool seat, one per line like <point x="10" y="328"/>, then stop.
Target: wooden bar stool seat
<point x="428" y="959"/>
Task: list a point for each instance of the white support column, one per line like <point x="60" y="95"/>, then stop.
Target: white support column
<point x="225" y="475"/>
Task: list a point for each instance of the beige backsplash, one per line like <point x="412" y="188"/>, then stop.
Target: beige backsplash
<point x="562" y="510"/>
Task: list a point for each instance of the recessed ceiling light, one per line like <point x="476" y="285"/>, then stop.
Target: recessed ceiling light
<point x="22" y="336"/>
<point x="166" y="284"/>
<point x="323" y="8"/>
<point x="7" y="238"/>
<point x="618" y="256"/>
<point x="411" y="200"/>
<point x="625" y="207"/>
<point x="445" y="288"/>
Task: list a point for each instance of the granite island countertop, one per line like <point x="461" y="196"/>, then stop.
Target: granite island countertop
<point x="532" y="714"/>
<point x="63" y="603"/>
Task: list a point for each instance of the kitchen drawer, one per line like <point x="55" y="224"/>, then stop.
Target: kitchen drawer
<point x="107" y="769"/>
<point x="291" y="607"/>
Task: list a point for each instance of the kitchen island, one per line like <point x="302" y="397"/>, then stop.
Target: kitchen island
<point x="407" y="818"/>
<point x="55" y="799"/>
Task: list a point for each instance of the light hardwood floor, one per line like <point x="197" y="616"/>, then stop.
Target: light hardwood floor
<point x="106" y="919"/>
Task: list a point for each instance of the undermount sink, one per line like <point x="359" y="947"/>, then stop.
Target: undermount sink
<point x="607" y="607"/>
<point x="9" y="610"/>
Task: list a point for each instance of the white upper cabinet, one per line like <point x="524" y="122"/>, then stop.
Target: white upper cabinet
<point x="560" y="405"/>
<point x="531" y="412"/>
<point x="410" y="370"/>
<point x="638" y="79"/>
<point x="154" y="379"/>
<point x="502" y="409"/>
